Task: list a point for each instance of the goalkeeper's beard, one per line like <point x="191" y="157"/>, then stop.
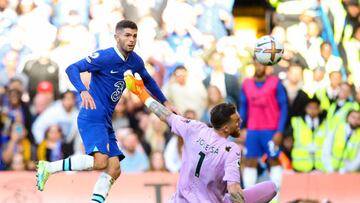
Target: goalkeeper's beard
<point x="235" y="133"/>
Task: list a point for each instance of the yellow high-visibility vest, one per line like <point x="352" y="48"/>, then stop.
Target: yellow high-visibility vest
<point x="334" y="118"/>
<point x="356" y="106"/>
<point x="342" y="151"/>
<point x="302" y="159"/>
<point x="324" y="99"/>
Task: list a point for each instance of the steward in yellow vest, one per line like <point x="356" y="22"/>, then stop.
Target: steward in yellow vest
<point x="308" y="134"/>
<point x="330" y="93"/>
<point x="338" y="110"/>
<point x="341" y="151"/>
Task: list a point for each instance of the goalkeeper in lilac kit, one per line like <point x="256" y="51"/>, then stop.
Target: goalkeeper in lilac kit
<point x="210" y="163"/>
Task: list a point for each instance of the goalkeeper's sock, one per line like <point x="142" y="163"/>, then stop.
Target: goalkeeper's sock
<point x="249" y="177"/>
<point x="102" y="188"/>
<point x="74" y="163"/>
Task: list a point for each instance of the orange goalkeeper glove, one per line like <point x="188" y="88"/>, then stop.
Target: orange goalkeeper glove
<point x="135" y="84"/>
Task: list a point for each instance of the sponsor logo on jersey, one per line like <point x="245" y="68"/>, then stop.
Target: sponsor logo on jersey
<point x="92" y="56"/>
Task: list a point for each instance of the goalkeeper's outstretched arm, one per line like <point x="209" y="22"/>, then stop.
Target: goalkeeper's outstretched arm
<point x="135" y="84"/>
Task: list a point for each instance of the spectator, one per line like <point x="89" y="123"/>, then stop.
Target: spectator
<point x="143" y="119"/>
<point x="8" y="18"/>
<point x="327" y="60"/>
<point x="136" y="160"/>
<point x="185" y="92"/>
<point x="213" y="18"/>
<point x="157" y="162"/>
<point x="63" y="113"/>
<point x="16" y="107"/>
<point x="316" y="83"/>
<point x="328" y="94"/>
<point x="313" y="43"/>
<point x="121" y="117"/>
<point x="227" y="84"/>
<point x="191" y="114"/>
<point x="339" y="109"/>
<point x="341" y="152"/>
<point x="214" y="98"/>
<point x="44" y="97"/>
<point x="181" y="34"/>
<point x="156" y="133"/>
<point x="357" y="100"/>
<point x="10" y="70"/>
<point x="62" y="7"/>
<point x="39" y="70"/>
<point x="307" y="132"/>
<point x="297" y="98"/>
<point x="18" y="144"/>
<point x="136" y="9"/>
<point x="18" y="163"/>
<point x="2" y="164"/>
<point x="52" y="147"/>
<point x="352" y="49"/>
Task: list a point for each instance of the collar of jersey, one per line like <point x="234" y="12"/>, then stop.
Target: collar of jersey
<point x="119" y="54"/>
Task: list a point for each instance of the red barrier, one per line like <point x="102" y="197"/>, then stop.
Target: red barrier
<point x="343" y="188"/>
<point x="76" y="187"/>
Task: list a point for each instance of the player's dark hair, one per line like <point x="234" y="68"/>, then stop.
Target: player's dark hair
<point x="220" y="114"/>
<point x="126" y="24"/>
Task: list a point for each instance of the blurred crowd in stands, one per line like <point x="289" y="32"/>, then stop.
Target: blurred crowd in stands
<point x="196" y="56"/>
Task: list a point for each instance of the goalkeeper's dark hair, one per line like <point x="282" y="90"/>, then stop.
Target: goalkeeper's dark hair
<point x="126" y="24"/>
<point x="220" y="114"/>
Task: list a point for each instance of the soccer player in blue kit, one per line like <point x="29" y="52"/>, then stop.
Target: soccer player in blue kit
<point x="107" y="84"/>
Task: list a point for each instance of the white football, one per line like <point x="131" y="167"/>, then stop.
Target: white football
<point x="268" y="51"/>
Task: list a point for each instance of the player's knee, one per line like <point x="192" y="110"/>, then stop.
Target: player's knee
<point x="100" y="164"/>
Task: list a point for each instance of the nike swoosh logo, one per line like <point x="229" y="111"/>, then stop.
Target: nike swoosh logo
<point x="113" y="72"/>
<point x="259" y="45"/>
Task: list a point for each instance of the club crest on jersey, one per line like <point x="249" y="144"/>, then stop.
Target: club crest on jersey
<point x="120" y="86"/>
<point x="185" y="120"/>
<point x="228" y="148"/>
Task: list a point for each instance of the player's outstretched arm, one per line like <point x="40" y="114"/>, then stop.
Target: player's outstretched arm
<point x="136" y="85"/>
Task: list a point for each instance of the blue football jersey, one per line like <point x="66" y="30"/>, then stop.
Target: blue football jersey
<point x="107" y="81"/>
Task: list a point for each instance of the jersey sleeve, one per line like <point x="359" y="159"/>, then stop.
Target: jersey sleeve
<point x="232" y="165"/>
<point x="282" y="100"/>
<point x="182" y="126"/>
<point x="90" y="63"/>
<point x="243" y="108"/>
